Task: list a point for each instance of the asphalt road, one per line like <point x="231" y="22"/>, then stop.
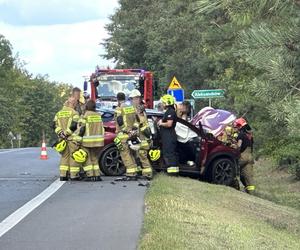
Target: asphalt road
<point x="80" y="215"/>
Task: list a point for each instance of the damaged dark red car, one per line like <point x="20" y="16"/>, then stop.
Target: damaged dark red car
<point x="200" y="154"/>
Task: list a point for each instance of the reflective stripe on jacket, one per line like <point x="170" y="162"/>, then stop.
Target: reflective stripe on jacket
<point x="144" y="125"/>
<point x="63" y="120"/>
<point x="94" y="130"/>
<point x="129" y="117"/>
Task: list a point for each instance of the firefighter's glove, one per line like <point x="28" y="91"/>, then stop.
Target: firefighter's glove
<point x="62" y="135"/>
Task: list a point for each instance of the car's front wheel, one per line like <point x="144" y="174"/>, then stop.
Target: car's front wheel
<point x="223" y="172"/>
<point x="111" y="162"/>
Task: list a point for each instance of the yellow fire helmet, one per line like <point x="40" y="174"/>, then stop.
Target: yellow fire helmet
<point x="80" y="156"/>
<point x="61" y="146"/>
<point x="168" y="100"/>
<point x="154" y="154"/>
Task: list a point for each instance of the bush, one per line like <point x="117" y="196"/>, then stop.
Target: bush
<point x="287" y="154"/>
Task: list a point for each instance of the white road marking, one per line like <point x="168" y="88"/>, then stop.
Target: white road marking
<point x="12" y="150"/>
<point x="13" y="219"/>
<point x="31" y="178"/>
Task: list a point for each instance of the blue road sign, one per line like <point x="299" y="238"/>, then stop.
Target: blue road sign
<point x="177" y="93"/>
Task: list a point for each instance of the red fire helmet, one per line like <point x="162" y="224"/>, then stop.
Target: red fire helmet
<point x="240" y="122"/>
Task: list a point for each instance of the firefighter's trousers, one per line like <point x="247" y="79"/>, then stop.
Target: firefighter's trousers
<point x="169" y="144"/>
<point x="67" y="163"/>
<point x="142" y="154"/>
<point x="127" y="156"/>
<point x="91" y="166"/>
<point x="246" y="168"/>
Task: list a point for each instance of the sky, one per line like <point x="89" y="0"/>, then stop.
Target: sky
<point x="59" y="38"/>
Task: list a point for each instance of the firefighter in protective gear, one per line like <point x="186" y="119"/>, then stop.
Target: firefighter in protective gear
<point x="127" y="129"/>
<point x="168" y="135"/>
<point x="145" y="133"/>
<point x="65" y="125"/>
<point x="92" y="140"/>
<point x="245" y="145"/>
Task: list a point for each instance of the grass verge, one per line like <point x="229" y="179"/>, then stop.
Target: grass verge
<point x="276" y="184"/>
<point x="182" y="213"/>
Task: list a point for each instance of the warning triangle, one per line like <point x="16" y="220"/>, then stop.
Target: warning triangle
<point x="175" y="84"/>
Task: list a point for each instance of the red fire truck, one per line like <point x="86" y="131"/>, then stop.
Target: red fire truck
<point x="106" y="83"/>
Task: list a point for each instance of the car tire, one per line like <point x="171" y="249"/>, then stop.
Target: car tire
<point x="223" y="172"/>
<point x="111" y="163"/>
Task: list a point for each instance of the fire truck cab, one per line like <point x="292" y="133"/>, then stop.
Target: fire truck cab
<point x="106" y="83"/>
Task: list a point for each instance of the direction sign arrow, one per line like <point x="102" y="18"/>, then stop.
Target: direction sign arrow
<point x="208" y="93"/>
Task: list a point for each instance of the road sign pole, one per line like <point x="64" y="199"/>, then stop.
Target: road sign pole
<point x="209" y="102"/>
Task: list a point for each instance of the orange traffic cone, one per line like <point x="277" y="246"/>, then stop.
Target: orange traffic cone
<point x="44" y="155"/>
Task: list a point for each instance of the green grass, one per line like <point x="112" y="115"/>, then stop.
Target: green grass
<point x="277" y="185"/>
<point x="181" y="213"/>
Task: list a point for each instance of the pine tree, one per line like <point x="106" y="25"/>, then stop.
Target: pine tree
<point x="268" y="39"/>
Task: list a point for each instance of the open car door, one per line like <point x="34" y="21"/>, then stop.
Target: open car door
<point x="191" y="146"/>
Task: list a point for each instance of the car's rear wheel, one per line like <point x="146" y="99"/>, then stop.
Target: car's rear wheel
<point x="223" y="172"/>
<point x="111" y="162"/>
